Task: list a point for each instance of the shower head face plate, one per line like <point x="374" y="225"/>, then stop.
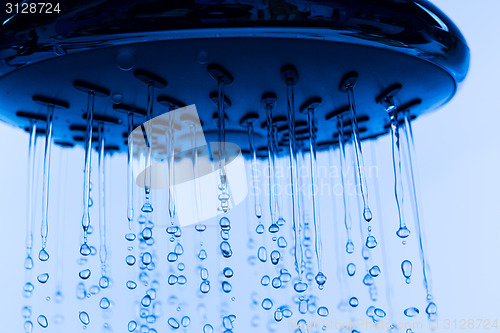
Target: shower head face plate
<point x="254" y="64"/>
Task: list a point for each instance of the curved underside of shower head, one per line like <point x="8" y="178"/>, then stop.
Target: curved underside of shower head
<point x="410" y="45"/>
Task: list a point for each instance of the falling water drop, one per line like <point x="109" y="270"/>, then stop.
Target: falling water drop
<point x="43" y="255"/>
<point x="351" y="269"/>
<point x="380" y="313"/>
<point x="282" y="242"/>
<point x="185" y="321"/>
<point x="411" y="312"/>
<point x="28" y="289"/>
<point x="208" y="328"/>
<point x="353" y="301"/>
<point x="205" y="286"/>
<point x="131" y="284"/>
<point x="226" y="287"/>
<point x="85" y="249"/>
<point x="84" y="274"/>
<point x="42" y="320"/>
<point x="406" y="268"/>
<point x="173" y="323"/>
<point x="28" y="326"/>
<point x="371" y="242"/>
<point x="262" y="254"/>
<point x="320" y="280"/>
<point x="84" y="318"/>
<point x="226" y="249"/>
<point x="42" y="278"/>
<point x="132" y="325"/>
<point x="148" y="135"/>
<point x="260" y="228"/>
<point x="202" y="255"/>
<point x="275" y="257"/>
<point x="374" y="271"/>
<point x="104" y="303"/>
<point x="103" y="282"/>
<point x="300" y="287"/>
<point x="265" y="280"/>
<point x="228" y="272"/>
<point x="267" y="304"/>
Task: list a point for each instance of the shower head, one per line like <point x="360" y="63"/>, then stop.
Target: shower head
<point x="120" y="48"/>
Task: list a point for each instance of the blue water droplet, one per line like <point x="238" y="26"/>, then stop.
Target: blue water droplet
<point x="374" y="271"/>
<point x="265" y="280"/>
<point x="28" y="262"/>
<point x="228" y="272"/>
<point x="323" y="311"/>
<point x="368" y="280"/>
<point x="403" y="232"/>
<point x="275" y="257"/>
<point x="132" y="325"/>
<point x="28" y="326"/>
<point x="351" y="269"/>
<point x="131" y="285"/>
<point x="84" y="249"/>
<point x="173" y="323"/>
<point x="379" y="313"/>
<point x="225" y="224"/>
<point x="146" y="301"/>
<point x="130" y="260"/>
<point x="172" y="257"/>
<point x="42" y="320"/>
<point x="104" y="282"/>
<point x="278" y="315"/>
<point x="147" y="258"/>
<point x="84" y="274"/>
<point x="208" y="328"/>
<point x="43" y="255"/>
<point x="147" y="233"/>
<point x="259" y="229"/>
<point x="267" y="304"/>
<point x="104" y="303"/>
<point x="202" y="255"/>
<point x="431" y="308"/>
<point x="411" y="312"/>
<point x="371" y="242"/>
<point x="84" y="317"/>
<point x="276" y="282"/>
<point x="274" y="228"/>
<point x="172" y="279"/>
<point x="204" y="273"/>
<point x="185" y="321"/>
<point x="205" y="286"/>
<point x="406" y="268"/>
<point x="349" y="247"/>
<point x="282" y="242"/>
<point x="226" y="249"/>
<point x="320" y="280"/>
<point x="353" y="301"/>
<point x="130" y="237"/>
<point x="262" y="254"/>
<point x="42" y="278"/>
<point x="226" y="287"/>
<point x="300" y="287"/>
<point x="200" y="227"/>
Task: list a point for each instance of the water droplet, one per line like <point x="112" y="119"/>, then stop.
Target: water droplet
<point x="368" y="280"/>
<point x="351" y="269"/>
<point x="84" y="318"/>
<point x="282" y="242"/>
<point x="181" y="279"/>
<point x="130" y="260"/>
<point x="94" y="290"/>
<point x="276" y="282"/>
<point x="202" y="255"/>
<point x="265" y="280"/>
<point x="228" y="272"/>
<point x="43" y="255"/>
<point x="323" y="311"/>
<point x="205" y="286"/>
<point x="26" y="312"/>
<point x="28" y="326"/>
<point x="131" y="285"/>
<point x="42" y="320"/>
<point x="260" y="229"/>
<point x="130" y="237"/>
<point x="320" y="280"/>
<point x="349" y="247"/>
<point x="431" y="309"/>
<point x="147" y="258"/>
<point x="225" y="224"/>
<point x="132" y="325"/>
<point x="200" y="227"/>
<point x="172" y="279"/>
<point x="300" y="287"/>
<point x="274" y="228"/>
<point x="406" y="268"/>
<point x="173" y="323"/>
<point x="287" y="313"/>
<point x="104" y="282"/>
<point x="204" y="273"/>
<point x="85" y="249"/>
<point x="267" y="304"/>
<point x="226" y="249"/>
<point x="28" y="289"/>
<point x="147" y="233"/>
<point x="226" y="287"/>
<point x="179" y="250"/>
<point x="375" y="271"/>
<point x="275" y="257"/>
<point x="42" y="278"/>
<point x="172" y="257"/>
<point x="262" y="254"/>
<point x="371" y="242"/>
<point x="104" y="303"/>
<point x="411" y="312"/>
<point x="208" y="328"/>
<point x="146" y="301"/>
<point x="379" y="312"/>
<point x="403" y="232"/>
<point x="84" y="274"/>
<point x="278" y="315"/>
<point x="28" y="262"/>
<point x="185" y="321"/>
<point x="353" y="301"/>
